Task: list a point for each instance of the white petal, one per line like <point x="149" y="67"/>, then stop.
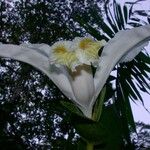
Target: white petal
<point x="37" y="55"/>
<point x="130" y="55"/>
<point x="59" y="75"/>
<point x="34" y="57"/>
<point x="83" y="85"/>
<point x="117" y="48"/>
<point x="134" y="39"/>
<point x="43" y="48"/>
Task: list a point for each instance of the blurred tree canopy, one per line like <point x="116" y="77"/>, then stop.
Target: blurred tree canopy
<point x="31" y="111"/>
<point x="42" y="21"/>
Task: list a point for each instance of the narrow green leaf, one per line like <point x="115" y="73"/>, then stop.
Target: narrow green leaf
<point x="130" y="115"/>
<point x="128" y="90"/>
<point x="128" y="110"/>
<point x="110" y="17"/>
<point x="101" y="23"/>
<point x="95" y="33"/>
<point x="82" y="145"/>
<point x="120" y="103"/>
<point x="97" y="111"/>
<point x="143" y="57"/>
<point x="118" y="15"/>
<point x="139" y="75"/>
<point x="125" y="10"/>
<point x="131" y="83"/>
<point x="71" y="107"/>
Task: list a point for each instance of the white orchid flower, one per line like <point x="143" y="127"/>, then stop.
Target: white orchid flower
<point x="76" y="56"/>
<point x="68" y="63"/>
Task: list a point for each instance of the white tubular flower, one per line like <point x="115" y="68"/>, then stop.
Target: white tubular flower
<point x="68" y="63"/>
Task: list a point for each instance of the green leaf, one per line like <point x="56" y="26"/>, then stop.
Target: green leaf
<point x="127" y="106"/>
<point x="99" y="105"/>
<point x="105" y="132"/>
<point x="125" y="10"/>
<point x="138" y="71"/>
<point x="128" y="90"/>
<point x="135" y="89"/>
<point x="130" y="115"/>
<point x="118" y="15"/>
<point x="81" y="145"/>
<point x="121" y="108"/>
<point x="71" y="107"/>
<point x="110" y="18"/>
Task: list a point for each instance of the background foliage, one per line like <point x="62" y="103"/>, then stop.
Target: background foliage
<point x="31" y="111"/>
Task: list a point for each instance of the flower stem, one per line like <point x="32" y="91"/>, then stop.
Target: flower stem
<point x="89" y="146"/>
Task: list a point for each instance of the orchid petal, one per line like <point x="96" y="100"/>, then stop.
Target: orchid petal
<point x="83" y="84"/>
<point x="83" y="87"/>
<point x="124" y="43"/>
<point x="61" y="77"/>
<point x="37" y="55"/>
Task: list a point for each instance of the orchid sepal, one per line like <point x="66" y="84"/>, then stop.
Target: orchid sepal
<point x="117" y="50"/>
<point x="37" y="55"/>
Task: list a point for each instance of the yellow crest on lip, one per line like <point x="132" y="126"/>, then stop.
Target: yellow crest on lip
<point x="62" y="54"/>
<point x="85" y="43"/>
<point x="77" y="52"/>
<point x="88" y="49"/>
<point x="60" y="49"/>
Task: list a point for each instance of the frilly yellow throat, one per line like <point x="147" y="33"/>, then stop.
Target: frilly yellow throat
<point x="77" y="52"/>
